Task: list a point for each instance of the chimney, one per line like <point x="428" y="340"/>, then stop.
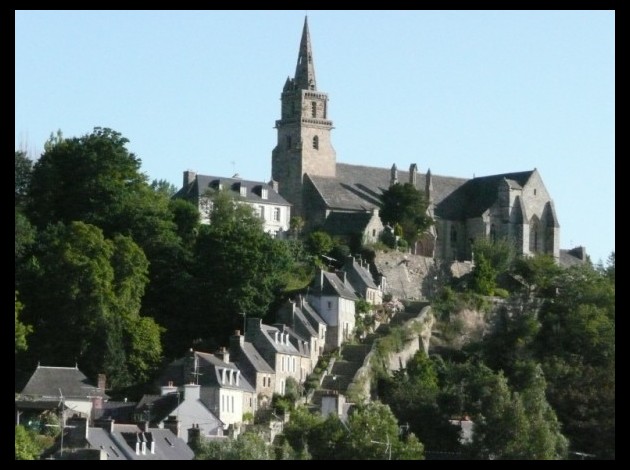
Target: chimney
<point x="166" y="389"/>
<point x="236" y="343"/>
<point x="224" y="354"/>
<point x="428" y="187"/>
<point x="189" y="177"/>
<point x="393" y="176"/>
<point x="274" y="185"/>
<point x="172" y="424"/>
<point x="97" y="403"/>
<point x="253" y="325"/>
<point x="102" y="381"/>
<point x="413" y="174"/>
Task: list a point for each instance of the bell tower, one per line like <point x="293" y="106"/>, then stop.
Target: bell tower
<point x="303" y="144"/>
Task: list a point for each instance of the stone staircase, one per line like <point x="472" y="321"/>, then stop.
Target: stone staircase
<point x="353" y="356"/>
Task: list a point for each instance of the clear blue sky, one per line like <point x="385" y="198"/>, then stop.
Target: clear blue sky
<point x="461" y="93"/>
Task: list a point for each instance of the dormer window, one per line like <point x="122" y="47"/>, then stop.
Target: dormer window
<point x="264" y="193"/>
<point x="243" y="191"/>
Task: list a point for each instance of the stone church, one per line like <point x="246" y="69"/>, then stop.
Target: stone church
<point x="344" y="198"/>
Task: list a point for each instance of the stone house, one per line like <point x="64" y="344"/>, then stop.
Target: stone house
<point x="253" y="367"/>
<point x="54" y="388"/>
<point x="277" y="350"/>
<point x="334" y="299"/>
<point x="360" y="278"/>
<point x="223" y="389"/>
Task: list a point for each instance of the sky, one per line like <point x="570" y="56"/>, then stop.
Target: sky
<point x="464" y="93"/>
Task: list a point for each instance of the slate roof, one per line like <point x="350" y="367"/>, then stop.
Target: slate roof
<point x="208" y="373"/>
<point x="202" y="183"/>
<point x="358" y="188"/>
<point x="269" y="334"/>
<point x="301" y="344"/>
<point x="568" y="258"/>
<point x="255" y="359"/>
<point x="116" y="410"/>
<point x="118" y="445"/>
<point x="158" y="406"/>
<point x="299" y="315"/>
<point x="46" y="382"/>
<point x="476" y="195"/>
<point x="356" y="272"/>
<point x="312" y="315"/>
<point x="333" y="286"/>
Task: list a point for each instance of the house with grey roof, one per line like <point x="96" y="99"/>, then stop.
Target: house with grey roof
<point x="332" y="296"/>
<point x="361" y="279"/>
<point x="180" y="409"/>
<point x="277" y="350"/>
<point x="54" y="388"/>
<point x="113" y="441"/>
<point x="344" y="198"/>
<point x="253" y="367"/>
<point x="223" y="388"/>
<point x="303" y="345"/>
<point x="263" y="198"/>
<point x="306" y="324"/>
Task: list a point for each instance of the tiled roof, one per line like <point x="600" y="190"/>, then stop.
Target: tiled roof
<point x="159" y="407"/>
<point x="46" y="382"/>
<point x="253" y="194"/>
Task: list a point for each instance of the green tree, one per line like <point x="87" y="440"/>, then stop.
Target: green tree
<point x="403" y="204"/>
<point x="90" y="178"/>
<point x="83" y="301"/>
<point x="248" y="446"/>
<point x="238" y="268"/>
<point x="23" y="171"/>
<point x="483" y="279"/>
<point x="26" y="447"/>
<point x="21" y="330"/>
<point x="319" y="243"/>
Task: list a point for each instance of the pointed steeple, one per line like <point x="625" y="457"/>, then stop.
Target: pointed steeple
<point x="305" y="69"/>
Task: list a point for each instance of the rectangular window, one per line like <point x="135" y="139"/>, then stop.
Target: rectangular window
<point x="276" y="214"/>
<point x="232" y="403"/>
<point x="261" y="212"/>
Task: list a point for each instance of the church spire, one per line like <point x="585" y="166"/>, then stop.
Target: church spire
<point x="305" y="69"/>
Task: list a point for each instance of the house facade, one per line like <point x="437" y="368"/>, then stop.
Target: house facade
<point x="263" y="198"/>
<point x="276" y="348"/>
<point x="334" y="300"/>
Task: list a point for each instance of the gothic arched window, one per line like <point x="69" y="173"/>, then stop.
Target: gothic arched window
<point x="313" y="109"/>
<point x="316" y="142"/>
